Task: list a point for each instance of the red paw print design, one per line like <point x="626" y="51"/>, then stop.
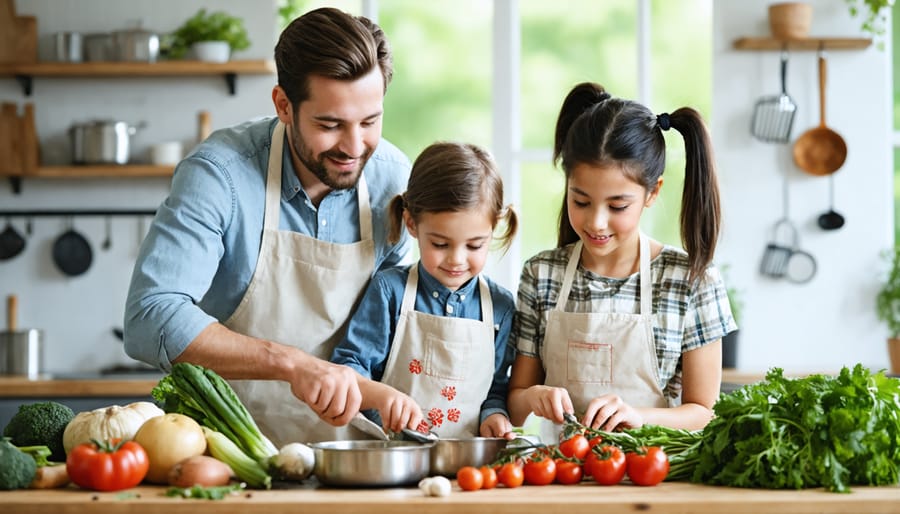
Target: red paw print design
<point x="415" y="367"/>
<point x="436" y="417"/>
<point x="423" y="427"/>
<point x="449" y="392"/>
<point x="453" y="415"/>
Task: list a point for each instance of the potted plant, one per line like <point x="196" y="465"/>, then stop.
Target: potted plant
<point x="874" y="15"/>
<point x="887" y="307"/>
<point x="212" y="36"/>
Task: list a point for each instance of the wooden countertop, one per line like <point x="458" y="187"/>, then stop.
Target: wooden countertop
<point x="20" y="387"/>
<point x="669" y="498"/>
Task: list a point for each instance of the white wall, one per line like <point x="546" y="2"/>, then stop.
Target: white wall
<point x="77" y="314"/>
<point x="821" y="325"/>
<point x="830" y="321"/>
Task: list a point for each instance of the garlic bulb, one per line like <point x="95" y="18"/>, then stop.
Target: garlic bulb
<point x="110" y="422"/>
<point x="435" y="486"/>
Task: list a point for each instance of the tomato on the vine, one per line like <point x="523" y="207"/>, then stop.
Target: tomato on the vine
<point x="647" y="466"/>
<point x="511" y="474"/>
<point x="488" y="477"/>
<point x="594" y="441"/>
<point x="469" y="478"/>
<point x="540" y="470"/>
<point x="108" y="466"/>
<point x="609" y="465"/>
<point x="568" y="472"/>
<point x="576" y="447"/>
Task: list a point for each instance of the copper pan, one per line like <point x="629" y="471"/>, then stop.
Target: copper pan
<point x="820" y="151"/>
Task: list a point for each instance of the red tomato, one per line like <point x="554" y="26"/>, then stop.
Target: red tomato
<point x="469" y="478"/>
<point x="576" y="447"/>
<point x="109" y="466"/>
<point x="608" y="467"/>
<point x="511" y="474"/>
<point x="588" y="465"/>
<point x="568" y="472"/>
<point x="595" y="441"/>
<point x="648" y="466"/>
<point x="488" y="476"/>
<point x="540" y="471"/>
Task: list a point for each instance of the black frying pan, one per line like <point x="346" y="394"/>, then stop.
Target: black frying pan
<point x="72" y="253"/>
<point x="11" y="242"/>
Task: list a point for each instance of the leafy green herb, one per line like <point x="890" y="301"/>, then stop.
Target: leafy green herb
<point x="200" y="492"/>
<point x="817" y="431"/>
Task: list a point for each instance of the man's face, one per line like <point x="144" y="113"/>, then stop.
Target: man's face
<point x="338" y="127"/>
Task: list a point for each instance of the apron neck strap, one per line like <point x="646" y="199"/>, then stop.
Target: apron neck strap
<point x="412" y="285"/>
<point x="575" y="258"/>
<point x="273" y="189"/>
<point x="273" y="179"/>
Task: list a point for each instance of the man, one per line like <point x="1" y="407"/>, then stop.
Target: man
<point x="271" y="232"/>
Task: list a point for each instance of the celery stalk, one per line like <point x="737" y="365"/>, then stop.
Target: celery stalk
<point x="244" y="467"/>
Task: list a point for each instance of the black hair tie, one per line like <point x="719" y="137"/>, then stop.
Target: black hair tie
<point x="663" y="121"/>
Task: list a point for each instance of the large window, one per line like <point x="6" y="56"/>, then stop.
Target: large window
<point x="896" y="65"/>
<point x="453" y="62"/>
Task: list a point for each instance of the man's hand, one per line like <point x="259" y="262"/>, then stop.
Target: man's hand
<point x="330" y="390"/>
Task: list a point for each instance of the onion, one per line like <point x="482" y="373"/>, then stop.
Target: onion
<point x="200" y="470"/>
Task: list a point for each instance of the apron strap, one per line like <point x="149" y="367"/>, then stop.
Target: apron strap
<point x="273" y="180"/>
<point x="646" y="282"/>
<point x="409" y="292"/>
<point x="568" y="277"/>
<point x="365" y="210"/>
<point x="487" y="306"/>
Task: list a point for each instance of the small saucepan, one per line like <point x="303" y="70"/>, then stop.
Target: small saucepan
<point x="72" y="252"/>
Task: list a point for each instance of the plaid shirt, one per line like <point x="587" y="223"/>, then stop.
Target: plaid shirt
<point x="685" y="317"/>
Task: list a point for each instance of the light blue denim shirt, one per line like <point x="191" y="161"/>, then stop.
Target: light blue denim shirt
<point x="367" y="344"/>
<point x="200" y="253"/>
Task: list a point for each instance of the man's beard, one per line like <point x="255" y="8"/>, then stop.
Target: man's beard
<point x="316" y="165"/>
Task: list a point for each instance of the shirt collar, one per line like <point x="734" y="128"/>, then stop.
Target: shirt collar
<point x="431" y="285"/>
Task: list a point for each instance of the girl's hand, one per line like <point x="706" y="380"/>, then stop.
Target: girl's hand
<point x="497" y="425"/>
<point x="397" y="410"/>
<point x="609" y="412"/>
<point x="549" y="402"/>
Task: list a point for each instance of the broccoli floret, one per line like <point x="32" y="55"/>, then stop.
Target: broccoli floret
<point x="40" y="424"/>
<point x="17" y="469"/>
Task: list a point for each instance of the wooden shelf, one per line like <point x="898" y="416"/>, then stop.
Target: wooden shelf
<point x="230" y="70"/>
<point x="102" y="171"/>
<point x="810" y="43"/>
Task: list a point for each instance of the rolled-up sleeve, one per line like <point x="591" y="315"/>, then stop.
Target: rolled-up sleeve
<point x="176" y="264"/>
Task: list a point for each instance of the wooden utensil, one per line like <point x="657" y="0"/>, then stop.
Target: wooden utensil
<point x="820" y="151"/>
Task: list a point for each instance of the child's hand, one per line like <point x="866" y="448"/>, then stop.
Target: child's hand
<point x="549" y="402"/>
<point x="397" y="410"/>
<point x="609" y="412"/>
<point x="497" y="425"/>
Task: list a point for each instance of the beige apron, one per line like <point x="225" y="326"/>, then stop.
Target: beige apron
<point x="445" y="364"/>
<point x="591" y="354"/>
<point x="302" y="294"/>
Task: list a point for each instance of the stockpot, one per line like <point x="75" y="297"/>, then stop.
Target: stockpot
<point x="101" y="142"/>
<point x="137" y="45"/>
<point x="448" y="455"/>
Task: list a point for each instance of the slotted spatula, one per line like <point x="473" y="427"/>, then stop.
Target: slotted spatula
<point x="773" y="115"/>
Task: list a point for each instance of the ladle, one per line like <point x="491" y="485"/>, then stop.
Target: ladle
<point x="831" y="220"/>
<point x="820" y="150"/>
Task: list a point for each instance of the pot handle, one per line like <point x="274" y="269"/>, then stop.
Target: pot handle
<point x="12" y="308"/>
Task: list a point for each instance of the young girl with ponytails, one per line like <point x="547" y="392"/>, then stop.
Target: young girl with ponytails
<point x="431" y="341"/>
<point x="611" y="325"/>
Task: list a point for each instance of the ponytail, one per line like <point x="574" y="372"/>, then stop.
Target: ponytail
<point x="700" y="210"/>
<point x="395" y="219"/>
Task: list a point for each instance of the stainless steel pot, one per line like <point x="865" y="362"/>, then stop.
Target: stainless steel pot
<point x="67" y="46"/>
<point x="21" y="351"/>
<point x="371" y="463"/>
<point x="101" y="142"/>
<point x="98" y="47"/>
<point x="448" y="455"/>
<point x="136" y="45"/>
